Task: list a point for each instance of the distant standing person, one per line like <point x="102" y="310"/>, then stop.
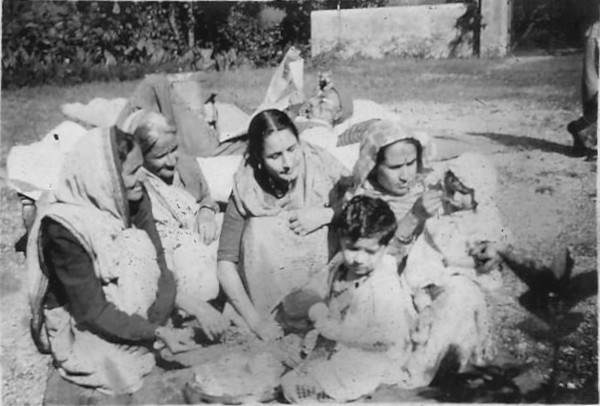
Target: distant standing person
<point x="583" y="130"/>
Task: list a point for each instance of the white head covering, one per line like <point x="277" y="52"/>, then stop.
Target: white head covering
<point x="380" y="134"/>
<point x="475" y="171"/>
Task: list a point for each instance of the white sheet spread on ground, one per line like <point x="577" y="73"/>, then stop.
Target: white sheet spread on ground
<point x="31" y="179"/>
<point x="98" y="112"/>
<point x="34" y="168"/>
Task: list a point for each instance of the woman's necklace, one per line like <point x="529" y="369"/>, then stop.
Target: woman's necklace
<point x="279" y="189"/>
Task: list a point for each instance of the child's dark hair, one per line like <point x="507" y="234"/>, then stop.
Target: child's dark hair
<point x="366" y="217"/>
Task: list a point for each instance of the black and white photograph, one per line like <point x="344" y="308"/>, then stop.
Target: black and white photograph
<point x="311" y="201"/>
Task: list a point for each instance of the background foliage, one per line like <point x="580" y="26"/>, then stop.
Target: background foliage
<point x="67" y="42"/>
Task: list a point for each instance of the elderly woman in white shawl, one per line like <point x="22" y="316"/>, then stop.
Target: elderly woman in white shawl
<point x="186" y="217"/>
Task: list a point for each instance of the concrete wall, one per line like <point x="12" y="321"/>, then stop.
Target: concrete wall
<point x="416" y="31"/>
<point x="495" y="33"/>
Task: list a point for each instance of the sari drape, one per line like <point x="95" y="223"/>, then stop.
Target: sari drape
<point x="274" y="260"/>
<point x="89" y="202"/>
<point x="194" y="263"/>
<point x="461" y="301"/>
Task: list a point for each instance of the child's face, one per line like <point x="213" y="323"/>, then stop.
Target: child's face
<point x="361" y="257"/>
<point x="459" y="197"/>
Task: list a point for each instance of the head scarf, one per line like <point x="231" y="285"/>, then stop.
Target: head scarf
<point x="380" y="134"/>
<point x="89" y="201"/>
<point x="347" y="106"/>
<point x="91" y="177"/>
<point x="132" y="121"/>
<point x="476" y="172"/>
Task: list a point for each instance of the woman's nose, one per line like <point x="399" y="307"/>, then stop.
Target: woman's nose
<point x="286" y="160"/>
<point x="360" y="257"/>
<point x="141" y="175"/>
<point x="172" y="158"/>
<point x="403" y="173"/>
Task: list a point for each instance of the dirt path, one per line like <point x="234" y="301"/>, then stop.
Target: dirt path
<point x="547" y="198"/>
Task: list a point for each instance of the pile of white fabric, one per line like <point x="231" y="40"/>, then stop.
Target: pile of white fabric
<point x="34" y="168"/>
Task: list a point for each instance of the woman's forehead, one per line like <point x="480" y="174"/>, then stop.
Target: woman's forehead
<point x="400" y="152"/>
<point x="165" y="142"/>
<point x="279" y="141"/>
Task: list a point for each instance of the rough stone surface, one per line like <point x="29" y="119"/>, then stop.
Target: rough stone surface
<point x="412" y="31"/>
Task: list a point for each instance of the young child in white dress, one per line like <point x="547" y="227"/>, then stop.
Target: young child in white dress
<point x="364" y="324"/>
<point x="470" y="216"/>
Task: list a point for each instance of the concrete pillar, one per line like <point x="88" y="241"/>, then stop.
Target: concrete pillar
<point x="495" y="33"/>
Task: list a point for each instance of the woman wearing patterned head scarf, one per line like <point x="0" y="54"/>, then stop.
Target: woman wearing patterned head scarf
<point x="100" y="290"/>
<point x="393" y="164"/>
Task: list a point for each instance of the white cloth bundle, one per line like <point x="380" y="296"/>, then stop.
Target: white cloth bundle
<point x="34" y="168"/>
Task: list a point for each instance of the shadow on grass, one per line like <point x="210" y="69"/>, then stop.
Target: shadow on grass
<point x="581" y="287"/>
<point x="525" y="143"/>
<point x="541" y="331"/>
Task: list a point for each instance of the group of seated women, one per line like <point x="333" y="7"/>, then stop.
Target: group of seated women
<point x="390" y="263"/>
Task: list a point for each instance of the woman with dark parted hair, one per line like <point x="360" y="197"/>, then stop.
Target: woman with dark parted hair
<point x="274" y="235"/>
<point x="100" y="290"/>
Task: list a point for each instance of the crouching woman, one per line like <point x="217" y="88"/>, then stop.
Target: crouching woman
<point x="100" y="291"/>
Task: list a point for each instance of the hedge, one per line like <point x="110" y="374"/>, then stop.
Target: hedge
<point x="66" y="42"/>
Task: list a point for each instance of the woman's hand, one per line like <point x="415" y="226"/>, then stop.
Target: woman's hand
<point x="211" y="322"/>
<point x="305" y="221"/>
<point x="428" y="204"/>
<point x="328" y="328"/>
<point x="318" y="311"/>
<point x="206" y="225"/>
<point x="176" y="339"/>
<point x="268" y="330"/>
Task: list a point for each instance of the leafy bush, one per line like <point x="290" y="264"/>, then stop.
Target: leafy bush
<point x="551" y="24"/>
<point x="69" y="42"/>
<point x="62" y="42"/>
<point x="253" y="39"/>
